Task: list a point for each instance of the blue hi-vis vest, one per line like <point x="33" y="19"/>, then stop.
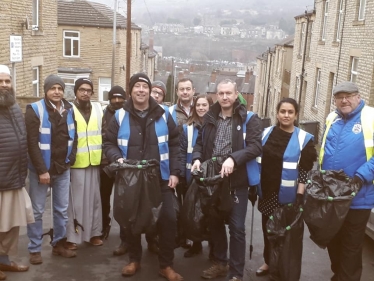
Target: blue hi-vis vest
<point x="253" y="171"/>
<point x="162" y="133"/>
<point x="173" y="113"/>
<point x="45" y="132"/>
<point x="291" y="158"/>
<point x="191" y="132"/>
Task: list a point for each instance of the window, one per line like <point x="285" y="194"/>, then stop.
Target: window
<point x="297" y="88"/>
<point x="302" y="38"/>
<point x="35" y="81"/>
<point x="104" y="88"/>
<point x="71" y="44"/>
<point x="325" y="15"/>
<point x="69" y="80"/>
<point x="361" y="10"/>
<point x="340" y="21"/>
<point x="318" y="87"/>
<point x="354" y="68"/>
<point x="35" y="15"/>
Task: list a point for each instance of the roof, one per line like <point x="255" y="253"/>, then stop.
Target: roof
<point x="287" y="41"/>
<point x="84" y="13"/>
<point x="249" y="88"/>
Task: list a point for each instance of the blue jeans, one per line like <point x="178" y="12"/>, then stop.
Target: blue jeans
<point x="38" y="193"/>
<point x="237" y="236"/>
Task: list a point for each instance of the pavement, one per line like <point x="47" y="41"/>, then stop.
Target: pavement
<point x="99" y="264"/>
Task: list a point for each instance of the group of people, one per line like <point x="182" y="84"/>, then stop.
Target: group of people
<point x="69" y="144"/>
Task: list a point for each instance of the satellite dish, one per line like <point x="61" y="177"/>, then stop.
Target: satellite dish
<point x="27" y="23"/>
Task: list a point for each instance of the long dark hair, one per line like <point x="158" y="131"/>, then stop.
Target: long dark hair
<point x="290" y="101"/>
<point x="194" y="117"/>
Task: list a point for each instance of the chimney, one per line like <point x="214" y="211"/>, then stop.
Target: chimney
<point x="151" y="39"/>
<point x="180" y="75"/>
<point x="248" y="75"/>
<point x="213" y="76"/>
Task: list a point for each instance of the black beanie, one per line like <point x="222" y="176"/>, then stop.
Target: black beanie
<point x="116" y="92"/>
<point x="80" y="82"/>
<point x="53" y="80"/>
<point x="139" y="77"/>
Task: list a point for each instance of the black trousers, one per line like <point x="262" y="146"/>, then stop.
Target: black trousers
<point x="266" y="253"/>
<point x="106" y="187"/>
<point x="345" y="249"/>
<point x="166" y="228"/>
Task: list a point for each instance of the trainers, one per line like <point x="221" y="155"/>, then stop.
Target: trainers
<point x="35" y="258"/>
<point x="60" y="250"/>
<point x="216" y="270"/>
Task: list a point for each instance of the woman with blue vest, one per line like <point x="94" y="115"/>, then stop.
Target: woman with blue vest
<point x="288" y="154"/>
<point x="187" y="142"/>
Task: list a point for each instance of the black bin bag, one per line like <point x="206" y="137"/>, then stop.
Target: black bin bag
<point x="285" y="230"/>
<point x="137" y="194"/>
<point x="328" y="199"/>
<point x="197" y="202"/>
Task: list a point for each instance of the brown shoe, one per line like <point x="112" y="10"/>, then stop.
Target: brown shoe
<point x="60" y="250"/>
<point x="2" y="275"/>
<point x="170" y="274"/>
<point x="13" y="267"/>
<point x="96" y="241"/>
<point x="70" y="246"/>
<point x="130" y="269"/>
<point x="35" y="258"/>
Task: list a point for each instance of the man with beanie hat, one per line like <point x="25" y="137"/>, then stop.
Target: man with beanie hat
<point x="52" y="146"/>
<point x="15" y="205"/>
<point x="143" y="130"/>
<point x="347" y="144"/>
<point x="85" y="173"/>
<point x="158" y="91"/>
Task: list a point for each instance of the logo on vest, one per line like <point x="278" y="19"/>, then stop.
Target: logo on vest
<point x="357" y="128"/>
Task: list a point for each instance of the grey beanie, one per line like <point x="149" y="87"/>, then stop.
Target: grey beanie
<point x="52" y="80"/>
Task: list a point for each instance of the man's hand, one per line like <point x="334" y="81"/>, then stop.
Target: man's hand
<point x="227" y="167"/>
<point x="120" y="160"/>
<point x="44" y="178"/>
<point x="196" y="166"/>
<point x="173" y="181"/>
<point x="357" y="182"/>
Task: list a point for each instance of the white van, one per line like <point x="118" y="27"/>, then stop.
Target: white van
<point x="370" y="225"/>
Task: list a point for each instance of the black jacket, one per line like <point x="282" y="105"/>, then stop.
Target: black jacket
<point x="143" y="145"/>
<point x="59" y="140"/>
<point x="107" y="117"/>
<point x="13" y="148"/>
<point x="203" y="149"/>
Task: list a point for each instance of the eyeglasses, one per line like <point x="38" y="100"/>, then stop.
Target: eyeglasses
<point x="82" y="91"/>
<point x="157" y="93"/>
<point x="347" y="97"/>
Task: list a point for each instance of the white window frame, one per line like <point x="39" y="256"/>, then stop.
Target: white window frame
<point x="72" y="39"/>
<point x="297" y="86"/>
<point x="325" y="16"/>
<point x="302" y="36"/>
<point x="35" y="15"/>
<point x="361" y="10"/>
<point x="340" y="23"/>
<point x="318" y="87"/>
<point x="36" y="81"/>
<point x="70" y="78"/>
<point x="354" y="69"/>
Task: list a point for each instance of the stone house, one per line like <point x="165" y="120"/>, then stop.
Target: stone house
<point x="339" y="48"/>
<point x="35" y="24"/>
<point x="84" y="46"/>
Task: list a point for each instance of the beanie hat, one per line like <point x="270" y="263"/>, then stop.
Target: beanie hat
<point x="117" y="91"/>
<point x="80" y="82"/>
<point x="139" y="77"/>
<point x="52" y="80"/>
<point x="160" y="85"/>
<point x="5" y="69"/>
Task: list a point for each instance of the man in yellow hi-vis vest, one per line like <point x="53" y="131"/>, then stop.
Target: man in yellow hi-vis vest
<point x="85" y="201"/>
<point x="347" y="144"/>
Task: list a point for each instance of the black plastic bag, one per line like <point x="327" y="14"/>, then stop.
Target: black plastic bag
<point x="328" y="199"/>
<point x="197" y="202"/>
<point x="137" y="194"/>
<point x="285" y="230"/>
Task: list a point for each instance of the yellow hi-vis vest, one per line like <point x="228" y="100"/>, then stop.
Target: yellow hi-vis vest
<point x="367" y="122"/>
<point x="89" y="148"/>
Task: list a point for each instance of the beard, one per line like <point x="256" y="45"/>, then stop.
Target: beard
<point x="7" y="97"/>
<point x="116" y="105"/>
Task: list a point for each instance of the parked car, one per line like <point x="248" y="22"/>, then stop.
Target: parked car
<point x="370" y="225"/>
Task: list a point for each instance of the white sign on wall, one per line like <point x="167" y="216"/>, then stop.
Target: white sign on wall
<point x="15" y="48"/>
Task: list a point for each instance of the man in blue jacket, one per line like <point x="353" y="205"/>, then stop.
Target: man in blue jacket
<point x="348" y="144"/>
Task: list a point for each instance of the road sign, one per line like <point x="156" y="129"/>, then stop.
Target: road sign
<point x="15" y="48"/>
